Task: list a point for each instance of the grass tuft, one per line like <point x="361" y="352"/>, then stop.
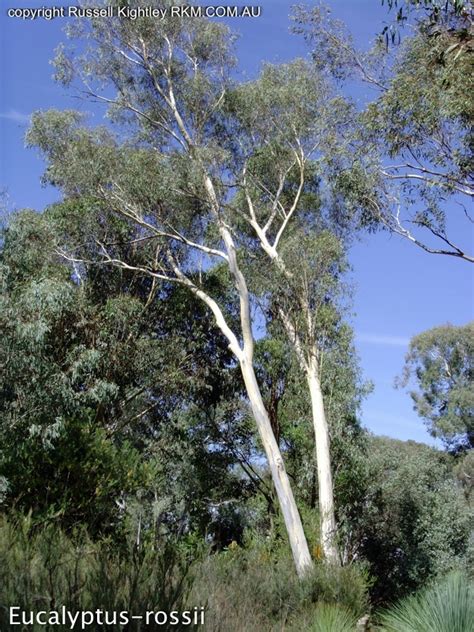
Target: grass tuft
<point x="447" y="606"/>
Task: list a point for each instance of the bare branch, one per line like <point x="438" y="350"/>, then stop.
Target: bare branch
<point x="394" y="224"/>
<point x="293" y="206"/>
<point x="448" y="183"/>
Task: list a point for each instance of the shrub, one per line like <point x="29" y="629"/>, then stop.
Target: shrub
<point x="244" y="589"/>
<point x="255" y="589"/>
<point x="416" y="521"/>
<point x="346" y="586"/>
<point x="45" y="569"/>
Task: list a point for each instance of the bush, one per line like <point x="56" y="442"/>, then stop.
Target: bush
<point x="346" y="586"/>
<point x="255" y="589"/>
<point x="416" y="521"/>
<point x="44" y="569"/>
<point x="74" y="481"/>
<point x="447" y="606"/>
<point x="244" y="589"/>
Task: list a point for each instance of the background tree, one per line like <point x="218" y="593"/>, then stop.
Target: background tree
<point x="103" y="388"/>
<point x="441" y="361"/>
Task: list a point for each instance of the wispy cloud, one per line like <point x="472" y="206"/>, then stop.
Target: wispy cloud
<point x="389" y="420"/>
<point x="375" y="339"/>
<point x="15" y="116"/>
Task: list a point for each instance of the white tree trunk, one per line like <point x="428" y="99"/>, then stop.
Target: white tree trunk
<point x="296" y="536"/>
<point x="291" y="516"/>
<point x="323" y="458"/>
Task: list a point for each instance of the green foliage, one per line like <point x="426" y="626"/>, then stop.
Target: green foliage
<point x="43" y="569"/>
<point x="428" y="94"/>
<point x="464" y="470"/>
<point x="63" y="381"/>
<point x="331" y="618"/>
<point x="447" y="606"/>
<point x="121" y="407"/>
<point x="423" y="120"/>
<point x="74" y="476"/>
<point x="346" y="586"/>
<point x="416" y="523"/>
<point x="434" y="12"/>
<point x="412" y="145"/>
<point x="442" y="363"/>
<point x="103" y="378"/>
<point x="254" y="588"/>
<point x="332" y="45"/>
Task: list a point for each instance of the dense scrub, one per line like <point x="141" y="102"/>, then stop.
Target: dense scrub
<point x="243" y="588"/>
<point x="248" y="588"/>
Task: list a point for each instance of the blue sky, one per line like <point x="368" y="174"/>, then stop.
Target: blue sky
<point x="399" y="290"/>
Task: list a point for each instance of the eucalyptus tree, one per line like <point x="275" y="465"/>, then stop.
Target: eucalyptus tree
<point x="290" y="408"/>
<point x="213" y="175"/>
<point x="441" y="362"/>
<point x="287" y="141"/>
<point x="168" y="177"/>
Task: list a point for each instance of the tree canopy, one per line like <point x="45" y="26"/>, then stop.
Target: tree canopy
<point x="415" y="136"/>
<point x="440" y="361"/>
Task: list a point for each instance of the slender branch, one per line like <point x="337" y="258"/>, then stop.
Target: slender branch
<point x="415" y="176"/>
<point x="211" y="303"/>
<point x="127" y="105"/>
<point x="108" y="260"/>
<point x="293" y="206"/>
<point x="394" y="224"/>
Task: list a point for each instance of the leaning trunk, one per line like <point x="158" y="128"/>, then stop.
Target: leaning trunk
<point x="291" y="516"/>
<point x="323" y="458"/>
<point x="296" y="536"/>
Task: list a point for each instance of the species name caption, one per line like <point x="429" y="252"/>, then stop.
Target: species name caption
<point x="74" y="620"/>
<point x="135" y="13"/>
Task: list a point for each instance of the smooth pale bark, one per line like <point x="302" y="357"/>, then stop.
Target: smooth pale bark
<point x="294" y="527"/>
<point x="291" y="516"/>
<point x="323" y="459"/>
<point x="308" y="363"/>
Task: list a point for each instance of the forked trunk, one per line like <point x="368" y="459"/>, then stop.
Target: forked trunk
<point x="296" y="536"/>
<point x="323" y="458"/>
<point x="291" y="516"/>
